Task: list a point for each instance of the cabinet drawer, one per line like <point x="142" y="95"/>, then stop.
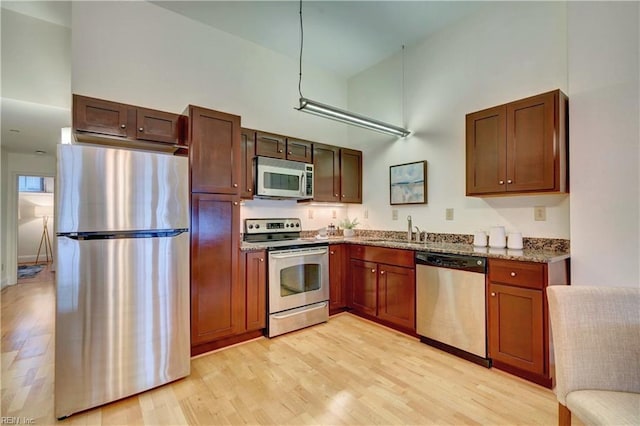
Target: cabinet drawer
<point x="521" y="274"/>
<point x="383" y="255"/>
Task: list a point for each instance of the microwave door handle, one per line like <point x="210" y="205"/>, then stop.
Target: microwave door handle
<point x="303" y="184"/>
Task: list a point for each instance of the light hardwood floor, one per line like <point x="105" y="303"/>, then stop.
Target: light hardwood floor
<point x="348" y="371"/>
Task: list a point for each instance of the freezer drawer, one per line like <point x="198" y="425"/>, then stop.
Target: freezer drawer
<point x="122" y="318"/>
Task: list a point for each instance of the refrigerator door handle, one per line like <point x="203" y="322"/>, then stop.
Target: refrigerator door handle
<point x="82" y="236"/>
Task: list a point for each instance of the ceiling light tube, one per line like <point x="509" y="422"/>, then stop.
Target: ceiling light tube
<point x="327" y="111"/>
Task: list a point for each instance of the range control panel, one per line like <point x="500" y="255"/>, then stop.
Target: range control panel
<point x="271" y="226"/>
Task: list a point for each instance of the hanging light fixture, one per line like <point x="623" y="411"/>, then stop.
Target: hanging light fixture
<point x="337" y="114"/>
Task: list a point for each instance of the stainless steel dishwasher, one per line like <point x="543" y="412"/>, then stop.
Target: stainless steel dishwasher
<point x="451" y="304"/>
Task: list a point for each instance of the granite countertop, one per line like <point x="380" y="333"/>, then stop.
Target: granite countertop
<point x="528" y="255"/>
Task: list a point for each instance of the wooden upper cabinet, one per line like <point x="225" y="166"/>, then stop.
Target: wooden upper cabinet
<point x="214" y="151"/>
<point x="486" y="151"/>
<point x="520" y="147"/>
<point x="326" y="173"/>
<point x="158" y="126"/>
<point x="277" y="146"/>
<point x="299" y="150"/>
<point x="270" y="145"/>
<point x="101" y="117"/>
<point x="247" y="154"/>
<point x="350" y="176"/>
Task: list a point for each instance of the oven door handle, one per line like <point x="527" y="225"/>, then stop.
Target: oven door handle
<point x="283" y="316"/>
<point x="298" y="254"/>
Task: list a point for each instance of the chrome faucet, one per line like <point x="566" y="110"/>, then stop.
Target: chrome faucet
<point x="409" y="228"/>
<point x="418" y="232"/>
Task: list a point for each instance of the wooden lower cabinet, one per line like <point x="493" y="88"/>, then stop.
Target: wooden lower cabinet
<point x="216" y="289"/>
<point x="516" y="317"/>
<point x="255" y="279"/>
<point x="364" y="286"/>
<point x="383" y="291"/>
<point x="397" y="295"/>
<point x="337" y="278"/>
<point x="518" y="324"/>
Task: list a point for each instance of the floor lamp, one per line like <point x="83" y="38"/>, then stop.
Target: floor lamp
<point x="44" y="212"/>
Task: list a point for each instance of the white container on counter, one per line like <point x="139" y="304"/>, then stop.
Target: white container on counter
<point x="497" y="237"/>
<point x="480" y="239"/>
<point x="514" y="241"/>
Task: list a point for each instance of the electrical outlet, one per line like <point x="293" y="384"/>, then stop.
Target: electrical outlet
<point x="394" y="214"/>
<point x="310" y="214"/>
<point x="540" y="213"/>
<point x="366" y="213"/>
<point x="449" y="214"/>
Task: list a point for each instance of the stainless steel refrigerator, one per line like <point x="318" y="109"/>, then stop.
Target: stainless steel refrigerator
<point x="122" y="274"/>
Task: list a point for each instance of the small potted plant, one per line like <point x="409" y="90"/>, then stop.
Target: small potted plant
<point x="348" y="227"/>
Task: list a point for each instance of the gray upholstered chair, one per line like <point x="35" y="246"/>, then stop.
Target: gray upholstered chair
<point x="596" y="339"/>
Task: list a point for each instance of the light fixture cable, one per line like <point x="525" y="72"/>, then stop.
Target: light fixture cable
<point x="300" y="58"/>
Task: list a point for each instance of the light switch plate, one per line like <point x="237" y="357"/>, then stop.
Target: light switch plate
<point x="366" y="213"/>
<point x="394" y="214"/>
<point x="540" y="213"/>
<point x="310" y="214"/>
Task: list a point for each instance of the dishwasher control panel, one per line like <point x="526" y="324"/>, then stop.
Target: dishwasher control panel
<point x="452" y="261"/>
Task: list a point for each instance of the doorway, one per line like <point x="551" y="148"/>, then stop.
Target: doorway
<point x="35" y="228"/>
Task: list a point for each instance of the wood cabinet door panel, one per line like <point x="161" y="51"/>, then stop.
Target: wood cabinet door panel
<point x="516" y="327"/>
<point x="350" y="176"/>
<point x="299" y="150"/>
<point x="531" y="145"/>
<point x="99" y="116"/>
<point x="364" y="286"/>
<point x="326" y="173"/>
<point x="247" y="154"/>
<point x="158" y="126"/>
<point x="397" y="295"/>
<point x="486" y="151"/>
<point x="337" y="296"/>
<point x="214" y="151"/>
<point x="217" y="295"/>
<point x="270" y="145"/>
<point x="256" y="290"/>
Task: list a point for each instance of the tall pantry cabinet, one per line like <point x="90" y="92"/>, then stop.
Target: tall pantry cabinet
<point x="217" y="290"/>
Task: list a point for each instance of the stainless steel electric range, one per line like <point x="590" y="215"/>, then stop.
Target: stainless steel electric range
<point x="298" y="274"/>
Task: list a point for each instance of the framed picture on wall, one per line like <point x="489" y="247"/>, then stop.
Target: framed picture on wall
<point x="408" y="183"/>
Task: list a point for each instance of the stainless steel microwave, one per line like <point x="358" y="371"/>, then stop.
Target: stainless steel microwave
<point x="283" y="179"/>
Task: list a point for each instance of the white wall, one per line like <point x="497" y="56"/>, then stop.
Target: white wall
<point x="605" y="191"/>
<point x="515" y="50"/>
<point x="30" y="226"/>
<point x="18" y="164"/>
<point x="139" y="53"/>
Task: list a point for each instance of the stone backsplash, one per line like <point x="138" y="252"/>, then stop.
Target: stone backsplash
<point x="529" y="243"/>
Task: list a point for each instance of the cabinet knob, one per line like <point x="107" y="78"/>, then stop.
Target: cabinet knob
<point x="344" y="196"/>
<point x="262" y="259"/>
<point x="501" y="182"/>
<point x="373" y="270"/>
<point x="235" y="203"/>
<point x="123" y="126"/>
<point x="335" y="195"/>
<point x="513" y="274"/>
<point x="332" y="252"/>
<point x="290" y="153"/>
<point x="249" y="190"/>
<point x="280" y="151"/>
<point x="141" y="129"/>
<point x="235" y="185"/>
<point x="381" y="272"/>
<point x="509" y="181"/>
<point x="493" y="294"/>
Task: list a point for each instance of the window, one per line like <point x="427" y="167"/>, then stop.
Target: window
<point x="35" y="184"/>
